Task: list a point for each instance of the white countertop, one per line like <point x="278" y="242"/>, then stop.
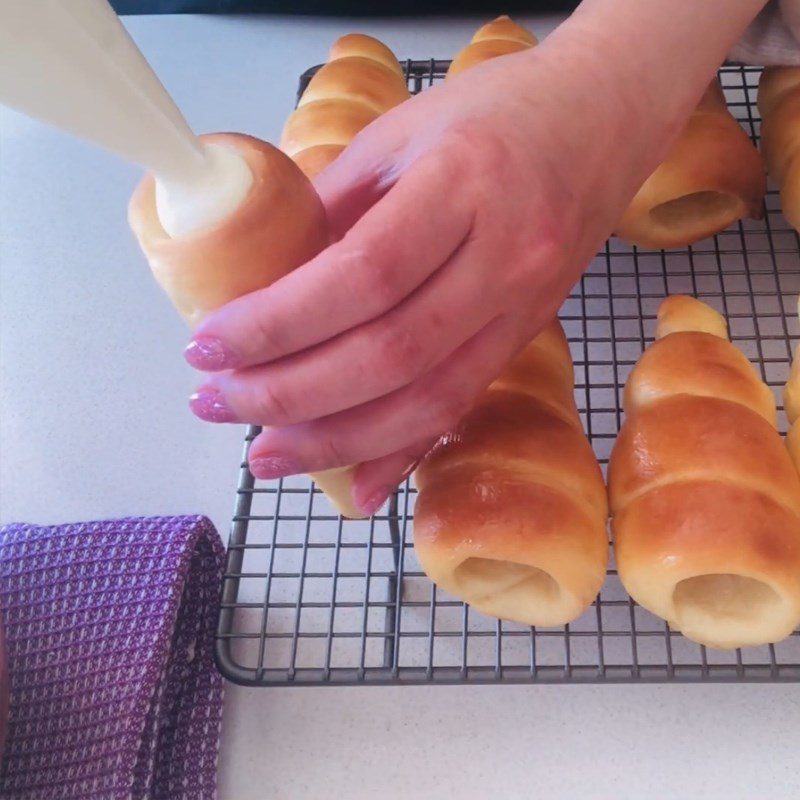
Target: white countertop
<point x="94" y="424"/>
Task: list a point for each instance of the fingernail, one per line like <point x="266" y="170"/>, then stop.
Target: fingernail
<point x="271" y="467"/>
<point x="208" y="353"/>
<point x="375" y="500"/>
<point x="209" y="404"/>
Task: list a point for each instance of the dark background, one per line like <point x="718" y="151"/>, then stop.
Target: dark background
<point x="340" y="7"/>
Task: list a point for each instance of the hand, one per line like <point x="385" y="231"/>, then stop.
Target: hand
<point x="462" y="219"/>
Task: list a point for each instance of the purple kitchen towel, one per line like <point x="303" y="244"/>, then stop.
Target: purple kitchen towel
<point x="110" y="629"/>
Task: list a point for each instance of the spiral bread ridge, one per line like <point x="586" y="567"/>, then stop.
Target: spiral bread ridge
<point x="511" y="511"/>
<point x="712" y="176"/>
<point x="499" y="37"/>
<point x="705" y="500"/>
<point x="779" y="105"/>
<point x="361" y="80"/>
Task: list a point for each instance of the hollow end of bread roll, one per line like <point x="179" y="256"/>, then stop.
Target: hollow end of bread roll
<point x="512" y="549"/>
<point x="518" y="592"/>
<point x="719" y="562"/>
<point x="687" y="219"/>
<point x="727" y="611"/>
<point x="695" y="216"/>
<point x="711" y="177"/>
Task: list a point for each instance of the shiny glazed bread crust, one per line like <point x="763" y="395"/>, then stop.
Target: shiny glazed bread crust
<point x="499" y="37"/>
<point x="705" y="501"/>
<point x="511" y="511"/>
<point x="361" y="80"/>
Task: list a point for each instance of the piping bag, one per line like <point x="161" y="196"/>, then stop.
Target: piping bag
<point x="217" y="216"/>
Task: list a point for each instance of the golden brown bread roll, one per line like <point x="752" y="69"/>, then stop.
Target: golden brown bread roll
<point x="361" y="81"/>
<point x="779" y="104"/>
<point x="712" y="176"/>
<point x="705" y="501"/>
<point x="280" y="225"/>
<point x="511" y="511"/>
<point x="497" y="38"/>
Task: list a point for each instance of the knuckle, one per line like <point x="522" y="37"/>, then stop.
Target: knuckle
<point x="369" y="274"/>
<point x="400" y="352"/>
<point x="271" y="404"/>
<point x="538" y="258"/>
<point x="478" y="151"/>
<point x="267" y="335"/>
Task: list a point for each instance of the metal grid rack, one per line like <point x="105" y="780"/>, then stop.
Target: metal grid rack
<point x="311" y="599"/>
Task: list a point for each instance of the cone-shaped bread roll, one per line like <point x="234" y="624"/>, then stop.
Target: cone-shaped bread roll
<point x="705" y="500"/>
<point x="361" y="81"/>
<point x="497" y="38"/>
<point x="712" y="176"/>
<point x="511" y="512"/>
<point x="280" y="225"/>
<point x="779" y="104"/>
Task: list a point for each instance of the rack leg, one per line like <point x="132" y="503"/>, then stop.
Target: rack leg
<point x="392" y="595"/>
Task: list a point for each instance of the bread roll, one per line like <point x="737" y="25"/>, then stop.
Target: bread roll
<point x="705" y="501"/>
<point x="779" y="104"/>
<point x="497" y="38"/>
<point x="712" y="176"/>
<point x="361" y="81"/>
<point x="511" y="511"/>
<point x="280" y="225"/>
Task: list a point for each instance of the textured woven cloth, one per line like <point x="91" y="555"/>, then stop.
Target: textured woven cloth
<point x="109" y="629"/>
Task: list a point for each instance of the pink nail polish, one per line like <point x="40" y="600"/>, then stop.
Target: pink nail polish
<point x="209" y="354"/>
<point x="209" y="404"/>
<point x="375" y="500"/>
<point x="271" y="467"/>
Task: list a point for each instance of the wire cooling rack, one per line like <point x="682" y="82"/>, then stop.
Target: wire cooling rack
<point x="309" y="598"/>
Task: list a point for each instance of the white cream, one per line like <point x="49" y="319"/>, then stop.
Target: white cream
<point x="73" y="65"/>
<point x="212" y="193"/>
